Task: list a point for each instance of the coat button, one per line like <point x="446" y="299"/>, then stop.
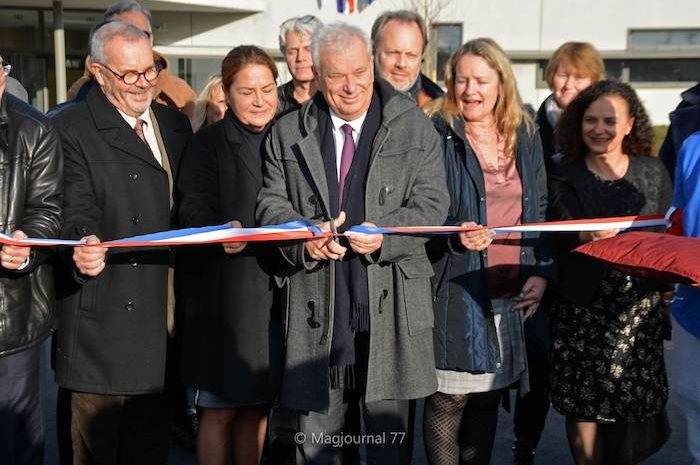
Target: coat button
<point x="135" y="219"/>
<point x="482" y="199"/>
<point x="129" y="306"/>
<point x="83" y="230"/>
<point x="133" y="176"/>
<point x="133" y="262"/>
<point x="312" y="200"/>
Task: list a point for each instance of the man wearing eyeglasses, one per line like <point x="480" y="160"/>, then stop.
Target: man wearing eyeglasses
<point x="30" y="204"/>
<point x="121" y="155"/>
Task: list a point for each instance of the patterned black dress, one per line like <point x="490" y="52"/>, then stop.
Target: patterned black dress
<point x="607" y="345"/>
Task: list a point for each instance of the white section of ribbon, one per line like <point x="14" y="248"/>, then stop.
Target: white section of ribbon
<point x="576" y="227"/>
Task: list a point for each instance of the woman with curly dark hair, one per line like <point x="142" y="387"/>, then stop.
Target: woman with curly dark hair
<point x="608" y="375"/>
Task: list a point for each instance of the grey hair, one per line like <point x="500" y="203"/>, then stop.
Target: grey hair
<point x="307" y="24"/>
<point x="125" y="6"/>
<point x="336" y="36"/>
<point x="403" y="16"/>
<point x="106" y="31"/>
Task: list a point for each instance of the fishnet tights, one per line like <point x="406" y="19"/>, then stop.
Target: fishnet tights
<point x="460" y="429"/>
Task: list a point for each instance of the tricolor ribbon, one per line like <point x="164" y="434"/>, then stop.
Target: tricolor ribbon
<point x="592" y="224"/>
<point x="304" y="229"/>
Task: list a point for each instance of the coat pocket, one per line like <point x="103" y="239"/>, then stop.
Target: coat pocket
<point x="415" y="285"/>
<point x="88" y="297"/>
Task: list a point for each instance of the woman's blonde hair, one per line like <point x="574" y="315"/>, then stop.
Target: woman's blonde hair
<point x="509" y="112"/>
<point x="199" y="115"/>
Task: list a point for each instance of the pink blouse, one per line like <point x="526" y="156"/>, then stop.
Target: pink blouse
<point x="504" y="192"/>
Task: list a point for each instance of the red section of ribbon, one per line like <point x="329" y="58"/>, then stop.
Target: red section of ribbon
<point x="676" y="227"/>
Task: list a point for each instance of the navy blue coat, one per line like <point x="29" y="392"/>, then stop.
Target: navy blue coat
<point x="464" y="331"/>
<point x="685" y="120"/>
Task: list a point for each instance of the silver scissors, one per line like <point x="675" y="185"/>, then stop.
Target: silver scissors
<point x="334" y="230"/>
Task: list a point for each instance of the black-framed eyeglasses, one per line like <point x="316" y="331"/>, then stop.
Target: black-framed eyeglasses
<point x="6" y="69"/>
<point x="132" y="77"/>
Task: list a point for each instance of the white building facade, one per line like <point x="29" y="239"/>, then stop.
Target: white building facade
<point x="653" y="44"/>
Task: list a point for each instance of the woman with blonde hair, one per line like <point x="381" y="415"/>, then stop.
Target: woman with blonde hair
<point x="211" y="104"/>
<point x="486" y="285"/>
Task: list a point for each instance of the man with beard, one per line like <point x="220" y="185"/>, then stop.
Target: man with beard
<point x="399" y="39"/>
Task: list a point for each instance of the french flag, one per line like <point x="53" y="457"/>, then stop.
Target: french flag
<point x="346" y="6"/>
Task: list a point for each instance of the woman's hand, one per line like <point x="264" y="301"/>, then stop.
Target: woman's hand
<point x="234" y="247"/>
<point x="530" y="296"/>
<point x="589" y="236"/>
<point x="476" y="240"/>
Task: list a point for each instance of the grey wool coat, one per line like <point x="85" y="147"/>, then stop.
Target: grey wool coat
<point x="405" y="186"/>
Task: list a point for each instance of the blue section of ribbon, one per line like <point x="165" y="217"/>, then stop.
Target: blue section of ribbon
<point x="178" y="233"/>
<point x="363" y="229"/>
<point x="296" y="225"/>
<point x="173" y="234"/>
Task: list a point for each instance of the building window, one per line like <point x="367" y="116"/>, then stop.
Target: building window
<point x="660" y="39"/>
<point x="657" y="70"/>
<point x="195" y="70"/>
<point x="448" y="38"/>
<point x="681" y="71"/>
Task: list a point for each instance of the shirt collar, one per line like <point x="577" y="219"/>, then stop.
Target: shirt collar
<point x="131" y="121"/>
<point x="355" y="124"/>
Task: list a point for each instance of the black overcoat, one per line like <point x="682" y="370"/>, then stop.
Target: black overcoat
<point x="112" y="329"/>
<point x="230" y="336"/>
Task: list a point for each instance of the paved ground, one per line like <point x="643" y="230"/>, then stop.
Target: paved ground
<point x="553" y="448"/>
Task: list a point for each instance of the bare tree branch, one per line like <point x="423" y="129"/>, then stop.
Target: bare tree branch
<point x="430" y="11"/>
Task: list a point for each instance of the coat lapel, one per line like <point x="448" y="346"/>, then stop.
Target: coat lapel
<point x="247" y="159"/>
<point x="174" y="134"/>
<point x="308" y="150"/>
<point x="312" y="158"/>
<point x="115" y="129"/>
<point x="471" y="162"/>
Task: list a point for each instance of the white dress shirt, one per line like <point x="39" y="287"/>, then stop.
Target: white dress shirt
<point x="339" y="135"/>
<point x="148" y="132"/>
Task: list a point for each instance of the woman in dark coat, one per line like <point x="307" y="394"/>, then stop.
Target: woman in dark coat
<point x="229" y="329"/>
<point x="608" y="374"/>
<point x="485" y="285"/>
